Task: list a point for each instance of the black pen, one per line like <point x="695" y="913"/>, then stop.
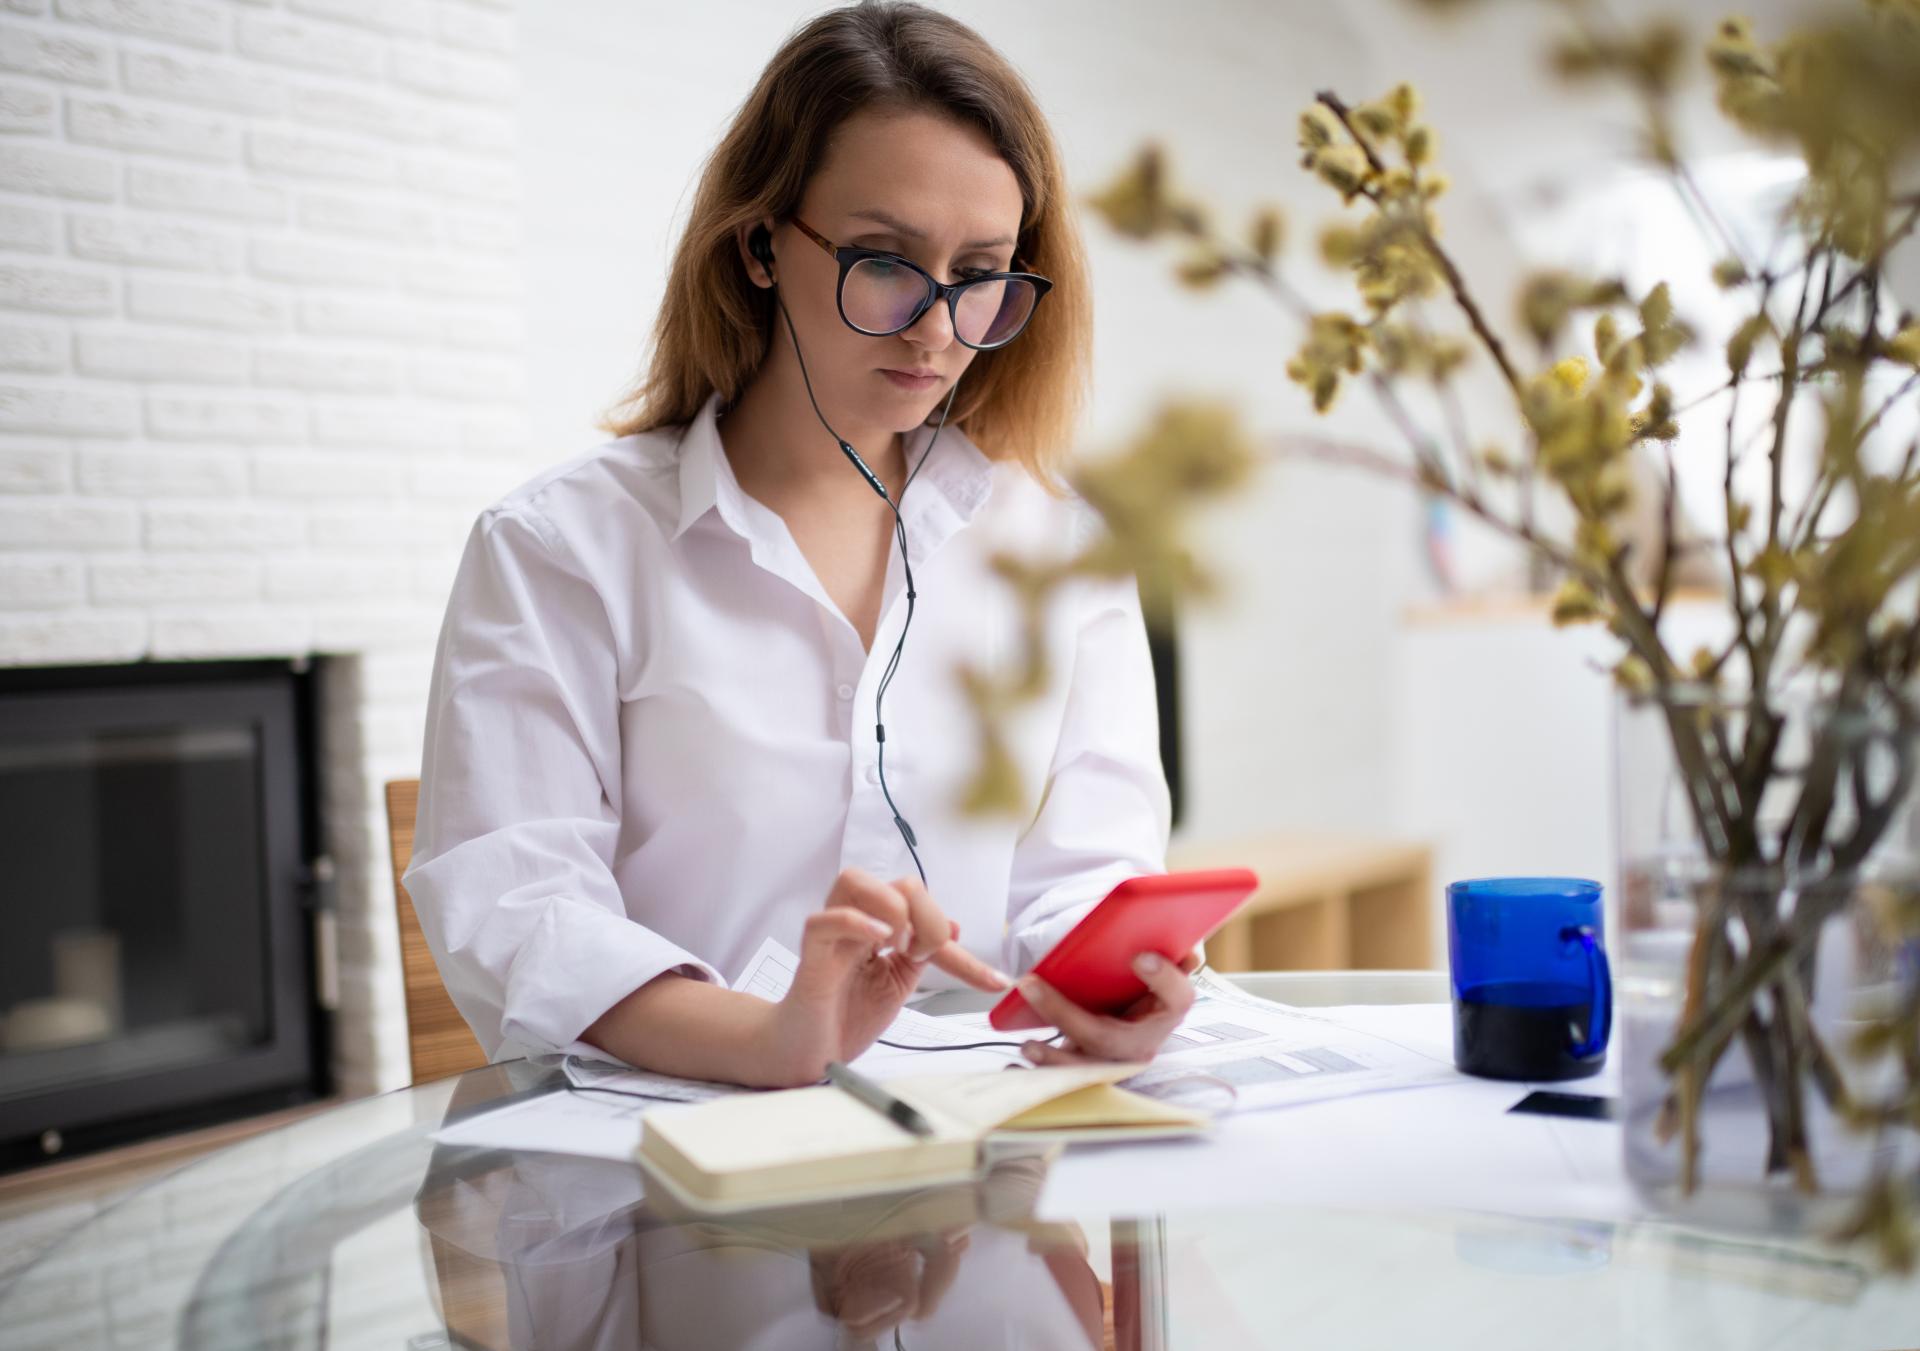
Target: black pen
<point x="901" y="1113"/>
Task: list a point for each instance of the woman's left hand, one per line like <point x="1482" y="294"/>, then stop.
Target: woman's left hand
<point x="1134" y="1035"/>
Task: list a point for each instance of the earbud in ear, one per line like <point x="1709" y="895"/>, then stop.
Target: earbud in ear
<point x="760" y="245"/>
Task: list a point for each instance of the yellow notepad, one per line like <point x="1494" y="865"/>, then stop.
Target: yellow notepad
<point x="805" y="1144"/>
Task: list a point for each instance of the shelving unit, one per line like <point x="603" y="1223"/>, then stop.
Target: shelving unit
<point x="1325" y="902"/>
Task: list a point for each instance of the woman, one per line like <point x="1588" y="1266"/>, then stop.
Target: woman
<point x="647" y="743"/>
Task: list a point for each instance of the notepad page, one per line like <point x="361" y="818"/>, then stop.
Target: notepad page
<point x="797" y="1143"/>
<point x="1105" y="1106"/>
<point x="805" y="1126"/>
<point x="976" y="1103"/>
<point x="797" y="1127"/>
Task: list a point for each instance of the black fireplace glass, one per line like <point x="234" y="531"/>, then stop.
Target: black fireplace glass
<point x="139" y="941"/>
<point x="158" y="958"/>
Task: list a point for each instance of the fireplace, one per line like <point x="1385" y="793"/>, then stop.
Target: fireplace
<point x="166" y="962"/>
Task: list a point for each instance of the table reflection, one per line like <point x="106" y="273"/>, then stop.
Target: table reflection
<point x="560" y="1253"/>
<point x="353" y="1229"/>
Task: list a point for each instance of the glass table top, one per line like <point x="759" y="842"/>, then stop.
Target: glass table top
<point x="352" y="1228"/>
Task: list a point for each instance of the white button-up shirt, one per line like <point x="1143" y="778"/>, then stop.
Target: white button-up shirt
<point x="650" y="732"/>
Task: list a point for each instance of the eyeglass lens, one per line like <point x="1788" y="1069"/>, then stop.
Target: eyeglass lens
<point x="880" y="296"/>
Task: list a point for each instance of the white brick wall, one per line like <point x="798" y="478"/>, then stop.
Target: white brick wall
<point x="262" y="358"/>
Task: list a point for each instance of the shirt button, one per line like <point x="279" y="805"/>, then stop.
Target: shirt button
<point x="845" y="691"/>
<point x="873" y="774"/>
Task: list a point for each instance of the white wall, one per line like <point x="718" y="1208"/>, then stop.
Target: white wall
<point x="1286" y="688"/>
<point x="289" y="288"/>
<point x="1503" y="733"/>
<point x="261" y="360"/>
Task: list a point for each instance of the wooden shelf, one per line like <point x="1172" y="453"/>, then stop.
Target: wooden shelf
<point x="1325" y="902"/>
<point x="1502" y="607"/>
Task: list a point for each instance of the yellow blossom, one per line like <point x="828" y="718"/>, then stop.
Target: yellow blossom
<point x="1266" y="232"/>
<point x="1905" y="345"/>
<point x="1332" y="349"/>
<point x="1633" y="674"/>
<point x="1202" y="270"/>
<point x="1345" y="168"/>
<point x="1575" y="603"/>
<point x="1318" y="128"/>
<point x="1740" y="345"/>
<point x="1571" y="374"/>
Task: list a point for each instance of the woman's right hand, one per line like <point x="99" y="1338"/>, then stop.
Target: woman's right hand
<point x="872" y="1288"/>
<point x="845" y="993"/>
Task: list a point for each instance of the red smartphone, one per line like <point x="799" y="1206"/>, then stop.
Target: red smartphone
<point x="1165" y="913"/>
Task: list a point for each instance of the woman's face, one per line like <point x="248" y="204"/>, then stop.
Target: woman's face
<point x="914" y="184"/>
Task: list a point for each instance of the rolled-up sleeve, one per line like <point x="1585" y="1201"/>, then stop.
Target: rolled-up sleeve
<point x="1105" y="811"/>
<point x="520" y="800"/>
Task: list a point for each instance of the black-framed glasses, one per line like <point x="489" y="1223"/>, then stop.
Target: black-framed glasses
<point x="882" y="293"/>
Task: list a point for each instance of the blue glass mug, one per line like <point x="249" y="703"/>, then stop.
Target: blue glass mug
<point x="1532" y="991"/>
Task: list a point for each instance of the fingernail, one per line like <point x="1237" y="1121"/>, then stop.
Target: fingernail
<point x="1147" y="963"/>
<point x="881" y="929"/>
<point x="1029" y="1050"/>
<point x="1001" y="976"/>
<point x="892" y="1306"/>
<point x="1029" y="986"/>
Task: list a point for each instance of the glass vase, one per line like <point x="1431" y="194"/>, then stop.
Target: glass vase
<point x="1724" y="887"/>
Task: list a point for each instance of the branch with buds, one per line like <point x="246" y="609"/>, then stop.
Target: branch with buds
<point x="1820" y="586"/>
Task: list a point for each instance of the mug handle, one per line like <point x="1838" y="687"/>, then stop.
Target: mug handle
<point x="1600" y="980"/>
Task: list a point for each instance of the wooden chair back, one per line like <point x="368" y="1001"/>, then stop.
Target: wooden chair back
<point x="439" y="1042"/>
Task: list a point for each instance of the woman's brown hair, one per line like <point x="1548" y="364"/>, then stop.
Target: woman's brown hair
<point x="1021" y="402"/>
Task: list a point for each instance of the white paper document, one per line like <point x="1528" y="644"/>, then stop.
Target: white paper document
<point x="1260" y="1053"/>
<point x="1232" y="1053"/>
<point x="605" y="1076"/>
<point x="769" y="972"/>
<point x="594" y="1125"/>
<point x="1275" y="1055"/>
<point x="1270" y="1055"/>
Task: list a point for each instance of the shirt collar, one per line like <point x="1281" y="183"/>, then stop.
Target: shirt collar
<point x="955" y="479"/>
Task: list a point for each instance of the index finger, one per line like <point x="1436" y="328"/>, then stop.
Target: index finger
<point x="957" y="961"/>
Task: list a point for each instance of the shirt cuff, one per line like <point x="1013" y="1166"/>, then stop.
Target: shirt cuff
<point x="578" y="962"/>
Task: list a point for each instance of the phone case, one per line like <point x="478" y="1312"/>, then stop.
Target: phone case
<point x="1165" y="913"/>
